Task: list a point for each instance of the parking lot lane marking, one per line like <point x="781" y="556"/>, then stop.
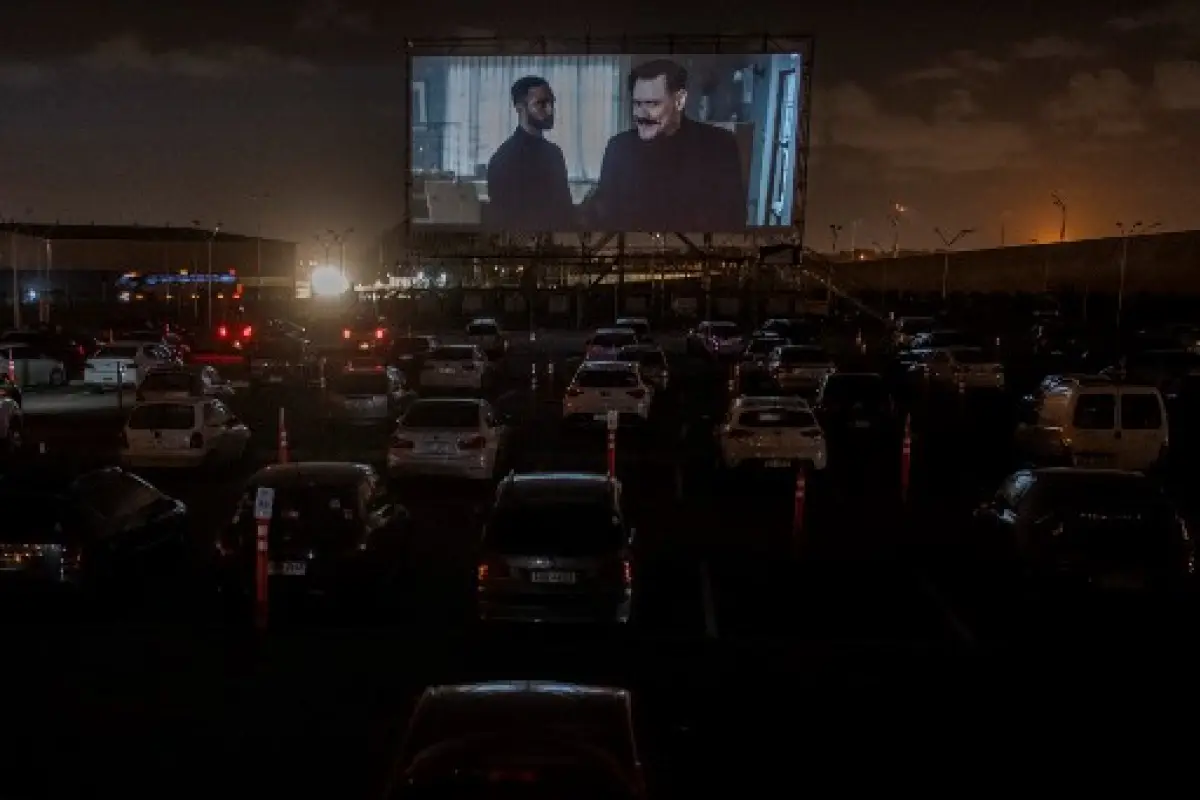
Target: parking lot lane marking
<point x="953" y="620"/>
<point x="709" y="602"/>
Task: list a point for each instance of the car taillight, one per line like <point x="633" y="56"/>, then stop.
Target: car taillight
<point x="196" y="442"/>
<point x="345" y="333"/>
<point x="222" y="332"/>
<point x="379" y="333"/>
<point x="246" y="331"/>
<point x="400" y="443"/>
<point x="626" y="571"/>
<point x="79" y="349"/>
<point x="491" y="568"/>
<point x="573" y="391"/>
<point x="637" y="394"/>
<point x="739" y="433"/>
<point x="472" y="443"/>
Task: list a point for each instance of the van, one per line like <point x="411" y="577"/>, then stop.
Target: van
<point x="1098" y="423"/>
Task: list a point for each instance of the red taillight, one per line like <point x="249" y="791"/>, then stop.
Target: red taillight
<point x="738" y="433"/>
<point x="345" y="333"/>
<point x="196" y="442"/>
<point x="222" y="332"/>
<point x="380" y="333"/>
<point x="80" y="350"/>
<point x="574" y="392"/>
<point x="491" y="568"/>
<point x="400" y="443"/>
<point x="472" y="443"/>
<point x="246" y="331"/>
<point x="637" y="394"/>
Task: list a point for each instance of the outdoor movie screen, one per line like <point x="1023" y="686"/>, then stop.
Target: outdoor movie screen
<point x="607" y="143"/>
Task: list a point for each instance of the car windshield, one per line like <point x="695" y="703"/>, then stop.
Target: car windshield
<point x="555" y="528"/>
<point x="439" y="414"/>
<point x="116" y="352"/>
<point x="607" y="379"/>
<point x="482" y="329"/>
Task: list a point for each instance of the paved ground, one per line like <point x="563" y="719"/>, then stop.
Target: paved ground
<point x="747" y="626"/>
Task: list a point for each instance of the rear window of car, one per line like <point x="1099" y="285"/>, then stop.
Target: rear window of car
<point x="162" y="417"/>
<point x="614" y="339"/>
<point x="361" y="383"/>
<point x="764" y="346"/>
<point x="482" y="329"/>
<point x="452" y="354"/>
<point x="116" y="352"/>
<point x="442" y="415"/>
<point x="607" y="379"/>
<point x="804" y="355"/>
<point x="168" y="382"/>
<point x="555" y="529"/>
<point x="311" y="512"/>
<point x="1140" y="412"/>
<point x="776" y="418"/>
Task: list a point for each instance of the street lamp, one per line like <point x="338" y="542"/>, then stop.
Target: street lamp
<point x="340" y="240"/>
<point x="949" y="242"/>
<point x="1127" y="231"/>
<point x="1056" y="198"/>
<point x="211" y="237"/>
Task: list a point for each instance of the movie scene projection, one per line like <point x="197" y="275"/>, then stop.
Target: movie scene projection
<point x="609" y="143"/>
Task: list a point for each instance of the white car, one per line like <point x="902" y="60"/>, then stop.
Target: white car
<point x="800" y="367"/>
<point x="448" y="437"/>
<point x="182" y="433"/>
<point x="606" y="344"/>
<point x="602" y="386"/>
<point x="183" y="382"/>
<point x="772" y="433"/>
<point x="123" y="364"/>
<point x="456" y="366"/>
<point x="32" y="366"/>
<point x="966" y="367"/>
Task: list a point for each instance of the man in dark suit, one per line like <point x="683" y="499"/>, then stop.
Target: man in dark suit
<point x="527" y="175"/>
<point x="669" y="173"/>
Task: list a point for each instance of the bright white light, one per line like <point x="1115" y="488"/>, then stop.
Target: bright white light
<point x="327" y="282"/>
<point x="421" y="276"/>
<point x="442" y="280"/>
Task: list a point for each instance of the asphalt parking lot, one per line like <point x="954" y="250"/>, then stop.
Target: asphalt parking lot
<point x="732" y="591"/>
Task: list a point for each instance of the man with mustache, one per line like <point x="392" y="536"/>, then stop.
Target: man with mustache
<point x="669" y="173"/>
<point x="527" y="175"/>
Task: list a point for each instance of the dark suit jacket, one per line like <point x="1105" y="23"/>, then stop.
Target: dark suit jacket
<point x="690" y="182"/>
<point x="527" y="187"/>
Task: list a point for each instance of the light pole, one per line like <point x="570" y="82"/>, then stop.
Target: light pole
<point x="1127" y="231"/>
<point x="894" y="217"/>
<point x="212" y="236"/>
<point x="340" y="240"/>
<point x="1056" y="198"/>
<point x="949" y="242"/>
<point x="261" y="200"/>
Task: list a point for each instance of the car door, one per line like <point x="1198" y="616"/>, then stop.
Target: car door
<point x="1140" y="428"/>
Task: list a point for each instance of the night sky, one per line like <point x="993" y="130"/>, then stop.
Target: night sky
<point x="141" y="111"/>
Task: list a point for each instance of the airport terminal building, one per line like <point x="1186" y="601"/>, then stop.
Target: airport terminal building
<point x="75" y="265"/>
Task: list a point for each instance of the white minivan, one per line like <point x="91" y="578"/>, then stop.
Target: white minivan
<point x="1099" y="423"/>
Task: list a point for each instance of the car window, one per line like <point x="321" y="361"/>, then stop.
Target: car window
<point x="1140" y="411"/>
<point x="1096" y="412"/>
<point x="452" y="354"/>
<point x="168" y="382"/>
<point x="441" y="414"/>
<point x="162" y="417"/>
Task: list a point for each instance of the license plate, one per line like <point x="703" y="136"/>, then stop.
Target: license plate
<point x="275" y="379"/>
<point x="778" y="463"/>
<point x="289" y="568"/>
<point x="552" y="577"/>
<point x="600" y="417"/>
<point x="438" y="449"/>
<point x="1120" y="582"/>
<point x="446" y="370"/>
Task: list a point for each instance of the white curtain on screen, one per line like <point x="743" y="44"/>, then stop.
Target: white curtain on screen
<point x="479" y="113"/>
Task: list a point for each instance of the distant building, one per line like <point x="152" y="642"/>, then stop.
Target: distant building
<point x="81" y="264"/>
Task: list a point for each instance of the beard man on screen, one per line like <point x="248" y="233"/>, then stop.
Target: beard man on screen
<point x="527" y="175"/>
<point x="670" y="173"/>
